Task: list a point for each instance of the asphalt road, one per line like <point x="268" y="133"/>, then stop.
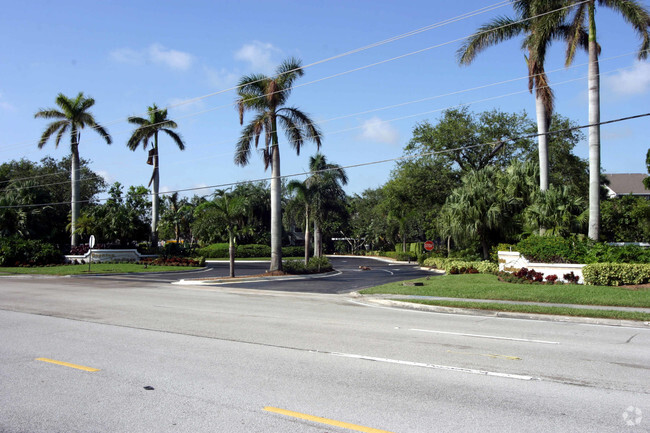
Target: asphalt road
<point x="349" y="277"/>
<point x="229" y="359"/>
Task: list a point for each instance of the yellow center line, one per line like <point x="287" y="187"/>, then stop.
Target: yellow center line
<point x="67" y="364"/>
<point x="325" y="420"/>
<point x="490" y="355"/>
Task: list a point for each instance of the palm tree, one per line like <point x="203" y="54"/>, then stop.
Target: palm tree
<point x="539" y="27"/>
<point x="557" y="210"/>
<point x="267" y="97"/>
<point x="326" y="181"/>
<point x="148" y="128"/>
<point x="73" y="116"/>
<point x="584" y="16"/>
<point x="304" y="195"/>
<point x="232" y="217"/>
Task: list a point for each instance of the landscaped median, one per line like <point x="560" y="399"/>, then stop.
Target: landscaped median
<point x="464" y="289"/>
<point x="95" y="268"/>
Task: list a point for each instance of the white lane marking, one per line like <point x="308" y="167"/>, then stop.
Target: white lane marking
<point x="390" y="272"/>
<point x="494" y="337"/>
<point x="435" y="366"/>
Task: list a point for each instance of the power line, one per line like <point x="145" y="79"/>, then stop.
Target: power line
<point x="335" y="57"/>
<point x="366" y="66"/>
<point x="363" y="164"/>
<point x="503" y="95"/>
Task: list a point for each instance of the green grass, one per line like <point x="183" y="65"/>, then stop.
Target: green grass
<point x="485" y="286"/>
<point x="537" y="309"/>
<point x="96" y="268"/>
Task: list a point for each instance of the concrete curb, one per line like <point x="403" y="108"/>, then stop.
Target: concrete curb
<point x="503" y="314"/>
<point x="228" y="281"/>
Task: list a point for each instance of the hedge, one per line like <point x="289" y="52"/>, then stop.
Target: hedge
<point x="616" y="274"/>
<point x="220" y="251"/>
<point x="16" y="251"/>
<point x="555" y="249"/>
<point x="484" y="267"/>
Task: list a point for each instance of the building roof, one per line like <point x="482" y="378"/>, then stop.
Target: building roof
<point x="627" y="183"/>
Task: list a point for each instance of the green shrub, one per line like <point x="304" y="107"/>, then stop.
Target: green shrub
<point x="16" y="251"/>
<point x="293" y="251"/>
<point x="213" y="251"/>
<point x="484" y="267"/>
<point x="553" y="249"/>
<point x="616" y="274"/>
<point x="315" y="265"/>
<point x="399" y="255"/>
<point x="253" y="250"/>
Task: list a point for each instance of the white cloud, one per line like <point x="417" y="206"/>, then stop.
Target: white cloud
<point x="109" y="178"/>
<point x="4" y="105"/>
<point x="617" y="134"/>
<point x="172" y="58"/>
<point x="156" y="53"/>
<point x="632" y="81"/>
<point x="127" y="55"/>
<point x="376" y="129"/>
<point x="259" y="55"/>
<point x="221" y="78"/>
<point x="182" y="106"/>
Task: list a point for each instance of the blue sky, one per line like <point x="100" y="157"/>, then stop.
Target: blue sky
<point x="131" y="54"/>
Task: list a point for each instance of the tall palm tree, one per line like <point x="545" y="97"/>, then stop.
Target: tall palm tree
<point x="584" y="16"/>
<point x="326" y="181"/>
<point x="73" y="116"/>
<point x="538" y="23"/>
<point x="267" y="97"/>
<point x="147" y="129"/>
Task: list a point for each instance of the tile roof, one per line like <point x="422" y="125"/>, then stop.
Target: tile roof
<point x="627" y="183"/>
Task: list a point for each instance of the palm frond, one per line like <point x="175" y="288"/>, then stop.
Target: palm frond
<point x="309" y="130"/>
<point x="176" y="137"/>
<point x="49" y="114"/>
<point x="492" y="33"/>
<point x="576" y="29"/>
<point x="51" y="128"/>
<point x="637" y="16"/>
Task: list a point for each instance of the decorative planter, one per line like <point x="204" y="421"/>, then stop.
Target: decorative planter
<point x="99" y="256"/>
<point x="512" y="261"/>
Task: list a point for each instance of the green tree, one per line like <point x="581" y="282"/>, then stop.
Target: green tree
<point x="303" y="199"/>
<point x="558" y="210"/>
<point x="267" y="97"/>
<point x="72" y="116"/>
<point x="646" y="181"/>
<point x="231" y="217"/>
<point x="147" y="129"/>
<point x="584" y="20"/>
<point x="327" y="196"/>
<point x="473" y="141"/>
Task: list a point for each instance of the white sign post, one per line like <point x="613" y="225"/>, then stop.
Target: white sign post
<point x="91" y="244"/>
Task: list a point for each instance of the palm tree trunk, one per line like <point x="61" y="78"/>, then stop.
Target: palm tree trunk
<point x="154" y="197"/>
<point x="276" y="205"/>
<point x="306" y="235"/>
<point x="318" y="242"/>
<point x="594" y="129"/>
<point x="542" y="140"/>
<point x="231" y="254"/>
<point x="75" y="196"/>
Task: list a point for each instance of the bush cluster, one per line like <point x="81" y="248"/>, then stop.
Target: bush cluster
<point x="531" y="276"/>
<point x="220" y="251"/>
<point x="554" y="249"/>
<point x="616" y="274"/>
<point x="173" y="261"/>
<point x="455" y="266"/>
<point x="314" y="266"/>
<point x="16" y="251"/>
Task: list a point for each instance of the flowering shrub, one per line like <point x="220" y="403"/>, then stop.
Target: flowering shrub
<point x="571" y="278"/>
<point x="173" y="261"/>
<point x="551" y="278"/>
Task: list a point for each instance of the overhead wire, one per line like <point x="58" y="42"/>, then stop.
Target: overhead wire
<point x="445" y="22"/>
<point x="363" y="164"/>
<point x="503" y="95"/>
<point x="365" y="66"/>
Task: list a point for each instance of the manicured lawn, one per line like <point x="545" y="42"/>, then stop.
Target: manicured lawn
<point x="96" y="268"/>
<point x="537" y="309"/>
<point x="485" y="286"/>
